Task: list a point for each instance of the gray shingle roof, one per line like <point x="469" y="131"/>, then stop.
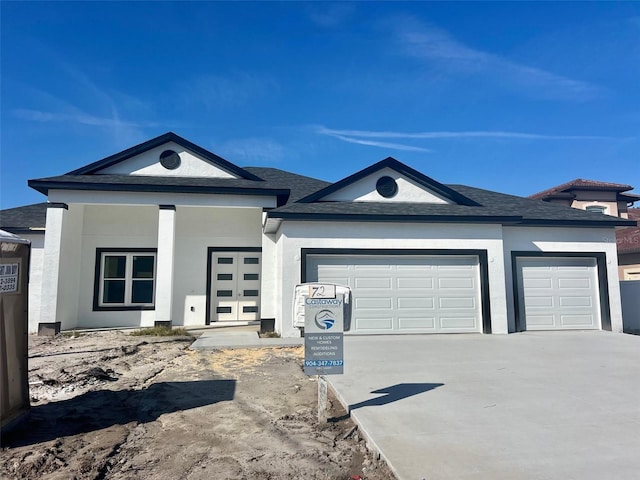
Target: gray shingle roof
<point x="288" y="186"/>
<point x="24" y="219"/>
<point x="299" y="185"/>
<point x="494" y="208"/>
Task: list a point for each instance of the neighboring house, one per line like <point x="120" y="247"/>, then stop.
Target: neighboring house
<point x="628" y="240"/>
<point x="610" y="199"/>
<point x="169" y="232"/>
<point x="592" y="196"/>
<point x="28" y="222"/>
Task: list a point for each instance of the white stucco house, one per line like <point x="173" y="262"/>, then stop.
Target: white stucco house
<point x="167" y="231"/>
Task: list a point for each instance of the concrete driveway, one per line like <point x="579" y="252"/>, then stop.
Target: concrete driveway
<point x="543" y="405"/>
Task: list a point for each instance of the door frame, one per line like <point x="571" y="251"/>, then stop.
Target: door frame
<point x="601" y="273"/>
<point x="483" y="264"/>
<point x="210" y="252"/>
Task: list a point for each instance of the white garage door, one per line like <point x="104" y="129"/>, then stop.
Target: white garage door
<point x="406" y="294"/>
<point x="558" y="293"/>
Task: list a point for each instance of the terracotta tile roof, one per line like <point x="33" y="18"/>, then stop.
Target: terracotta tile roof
<point x="628" y="239"/>
<point x="581" y="184"/>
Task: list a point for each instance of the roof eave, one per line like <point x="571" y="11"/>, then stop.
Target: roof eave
<point x="513" y="220"/>
<point x="44" y="187"/>
<point x="358" y="217"/>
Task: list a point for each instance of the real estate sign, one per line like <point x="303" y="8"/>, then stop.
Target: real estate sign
<point x="323" y="331"/>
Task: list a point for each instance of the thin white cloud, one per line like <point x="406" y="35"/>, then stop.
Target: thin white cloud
<point x="460" y="134"/>
<point x="78" y="117"/>
<point x="437" y="46"/>
<point x="255" y="150"/>
<point x="93" y="104"/>
<point x="123" y="132"/>
<point x="374" y="143"/>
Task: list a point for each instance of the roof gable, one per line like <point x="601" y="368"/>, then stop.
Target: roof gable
<point x="403" y="185"/>
<point x="145" y="160"/>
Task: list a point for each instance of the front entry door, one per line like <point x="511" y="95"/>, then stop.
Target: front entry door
<point x="235" y="286"/>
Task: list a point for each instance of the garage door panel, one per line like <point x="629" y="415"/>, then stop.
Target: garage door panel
<point x="373" y="303"/>
<point x="577" y="320"/>
<point x="423" y="303"/>
<point x="539" y="321"/>
<point x="374" y="324"/>
<point x="396" y="293"/>
<point x="572" y="268"/>
<point x="576" y="302"/>
<point x="541" y="301"/>
<point x="416" y="267"/>
<point x="558" y="293"/>
<point x="581" y="283"/>
<point x="414" y="283"/>
<point x="456" y="283"/>
<point x="454" y="267"/>
<point x="531" y="283"/>
<point x="372" y="282"/>
<point x="420" y="323"/>
<point x="461" y="303"/>
<point x="458" y="323"/>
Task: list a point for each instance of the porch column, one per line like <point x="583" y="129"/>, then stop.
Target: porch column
<point x="49" y="303"/>
<point x="164" y="270"/>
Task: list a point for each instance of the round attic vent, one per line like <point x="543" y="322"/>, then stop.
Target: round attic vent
<point x="169" y="159"/>
<point x="387" y="187"/>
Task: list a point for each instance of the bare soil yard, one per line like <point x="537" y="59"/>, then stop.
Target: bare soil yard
<point x="109" y="405"/>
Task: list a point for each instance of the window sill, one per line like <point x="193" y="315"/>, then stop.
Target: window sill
<point x="122" y="308"/>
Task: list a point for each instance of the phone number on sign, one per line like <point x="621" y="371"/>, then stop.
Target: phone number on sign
<point x="324" y="363"/>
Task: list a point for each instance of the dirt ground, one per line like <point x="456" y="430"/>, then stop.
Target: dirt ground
<point x="110" y="405"/>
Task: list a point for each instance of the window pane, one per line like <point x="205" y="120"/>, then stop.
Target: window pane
<point x="143" y="267"/>
<point x="142" y="291"/>
<point x="113" y="291"/>
<point x="596" y="209"/>
<point x="114" y="266"/>
<point x="251" y="276"/>
<point x="225" y="276"/>
<point x="251" y="293"/>
<point x="223" y="309"/>
<point x="251" y="261"/>
<point x="249" y="309"/>
<point x="225" y="260"/>
<point x="224" y="293"/>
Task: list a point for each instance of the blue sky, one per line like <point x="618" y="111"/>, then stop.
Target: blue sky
<point x="512" y="97"/>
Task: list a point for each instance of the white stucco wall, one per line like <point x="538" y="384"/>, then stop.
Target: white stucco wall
<point x="559" y="239"/>
<point x="35" y="277"/>
<point x="148" y="163"/>
<point x="197" y="229"/>
<point x="364" y="190"/>
<point x="61" y="266"/>
<point x="298" y="235"/>
<point x="113" y="227"/>
<point x="271" y="283"/>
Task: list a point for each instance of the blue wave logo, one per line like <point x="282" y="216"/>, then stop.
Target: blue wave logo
<point x="324" y="319"/>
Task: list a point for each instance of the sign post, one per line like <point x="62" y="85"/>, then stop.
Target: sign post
<point x="323" y="338"/>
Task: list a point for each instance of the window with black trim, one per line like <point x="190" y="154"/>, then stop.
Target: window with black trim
<point x="125" y="279"/>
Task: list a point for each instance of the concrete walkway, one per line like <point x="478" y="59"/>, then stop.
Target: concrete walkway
<point x="217" y="339"/>
<point x="547" y="405"/>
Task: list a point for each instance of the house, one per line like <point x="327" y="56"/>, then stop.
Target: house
<point x="628" y="240"/>
<point x="28" y="222"/>
<point x="611" y="199"/>
<point x="167" y="231"/>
